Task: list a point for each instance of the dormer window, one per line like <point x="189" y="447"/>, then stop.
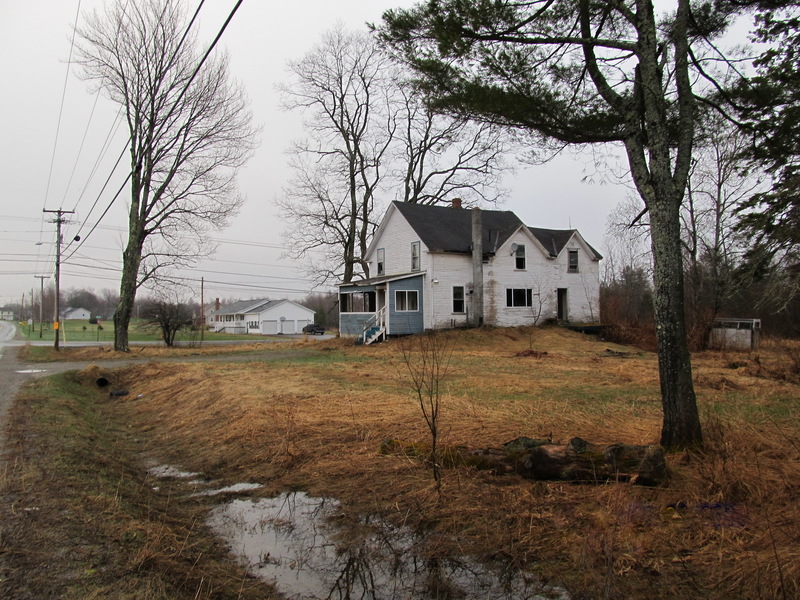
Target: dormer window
<point x="572" y="266"/>
<point x="519" y="257"/>
<point x="415" y="256"/>
<point x="381" y="261"/>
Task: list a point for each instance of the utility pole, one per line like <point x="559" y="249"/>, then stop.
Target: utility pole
<point x="202" y="308"/>
<point x="41" y="279"/>
<point x="58" y="221"/>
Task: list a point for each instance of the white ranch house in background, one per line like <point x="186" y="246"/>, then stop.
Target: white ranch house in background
<point x="74" y="314"/>
<point x="425" y="262"/>
<point x="265" y="317"/>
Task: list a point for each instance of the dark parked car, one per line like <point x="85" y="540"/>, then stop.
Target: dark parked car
<point x="314" y="329"/>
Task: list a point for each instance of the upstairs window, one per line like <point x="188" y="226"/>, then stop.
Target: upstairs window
<point x="573" y="262"/>
<point x="381" y="261"/>
<point x="415" y="256"/>
<point x="519" y="257"/>
<point x="458" y="299"/>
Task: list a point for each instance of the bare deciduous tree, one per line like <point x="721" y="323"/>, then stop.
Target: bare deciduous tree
<point x="169" y="314"/>
<point x="427" y="358"/>
<point x="369" y="133"/>
<point x="190" y="130"/>
<point x="440" y="157"/>
<point x="341" y="87"/>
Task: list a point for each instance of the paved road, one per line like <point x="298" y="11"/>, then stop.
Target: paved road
<point x="10" y="376"/>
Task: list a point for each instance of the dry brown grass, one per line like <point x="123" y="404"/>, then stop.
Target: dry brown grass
<point x="727" y="525"/>
<point x="106" y="353"/>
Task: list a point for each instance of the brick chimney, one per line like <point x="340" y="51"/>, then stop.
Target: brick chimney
<point x="456" y="202"/>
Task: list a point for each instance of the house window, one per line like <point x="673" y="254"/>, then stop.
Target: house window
<point x="573" y="261"/>
<point x="406" y="301"/>
<point x="458" y="299"/>
<point x="381" y="261"/>
<point x="519" y="297"/>
<point x="415" y="256"/>
<point x="357" y="302"/>
<point x="519" y="257"/>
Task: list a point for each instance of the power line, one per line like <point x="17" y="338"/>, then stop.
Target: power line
<point x="61" y="108"/>
<point x="117" y="122"/>
<point x="180" y="96"/>
<point x="105" y="212"/>
<point x="100" y="156"/>
<point x="80" y="149"/>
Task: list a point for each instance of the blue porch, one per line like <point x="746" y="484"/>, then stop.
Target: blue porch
<point x="372" y="309"/>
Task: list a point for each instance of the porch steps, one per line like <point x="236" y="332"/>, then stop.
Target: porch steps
<point x="373" y="334"/>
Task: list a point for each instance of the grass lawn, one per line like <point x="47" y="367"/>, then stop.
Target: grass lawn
<point x="726" y="525"/>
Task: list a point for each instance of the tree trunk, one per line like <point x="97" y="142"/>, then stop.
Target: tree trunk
<point x="131" y="260"/>
<point x="660" y="163"/>
<point x="681" y="424"/>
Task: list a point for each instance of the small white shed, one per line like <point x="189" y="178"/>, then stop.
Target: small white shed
<point x="735" y="334"/>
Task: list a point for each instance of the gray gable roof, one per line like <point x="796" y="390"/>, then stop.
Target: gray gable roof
<point x="554" y="240"/>
<point x="242" y="306"/>
<point x="445" y="229"/>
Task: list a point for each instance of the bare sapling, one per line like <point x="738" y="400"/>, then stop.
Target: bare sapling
<point x="427" y="359"/>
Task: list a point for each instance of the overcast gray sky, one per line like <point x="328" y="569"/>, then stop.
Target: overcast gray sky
<point x="34" y="52"/>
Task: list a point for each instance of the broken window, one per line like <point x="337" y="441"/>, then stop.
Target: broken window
<point x="381" y="261"/>
<point x="519" y="257"/>
<point x="573" y="261"/>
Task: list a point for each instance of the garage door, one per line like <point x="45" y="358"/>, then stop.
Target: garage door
<point x="269" y="327"/>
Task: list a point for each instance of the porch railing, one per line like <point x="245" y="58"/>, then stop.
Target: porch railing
<point x="378" y="320"/>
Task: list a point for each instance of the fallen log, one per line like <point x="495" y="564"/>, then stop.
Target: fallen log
<point x="577" y="461"/>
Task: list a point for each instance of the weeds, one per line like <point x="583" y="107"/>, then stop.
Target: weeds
<point x="86" y="523"/>
<point x="726" y="526"/>
<point x="427" y="358"/>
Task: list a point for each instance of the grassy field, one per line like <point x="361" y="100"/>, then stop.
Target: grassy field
<point x="139" y="331"/>
<point x="726" y="525"/>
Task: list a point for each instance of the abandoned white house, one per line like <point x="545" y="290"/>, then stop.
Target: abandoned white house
<point x="436" y="267"/>
<point x="265" y="317"/>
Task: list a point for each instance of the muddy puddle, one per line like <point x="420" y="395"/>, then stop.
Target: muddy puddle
<point x="302" y="545"/>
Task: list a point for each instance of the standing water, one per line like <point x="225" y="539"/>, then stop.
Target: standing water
<point x="293" y="542"/>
